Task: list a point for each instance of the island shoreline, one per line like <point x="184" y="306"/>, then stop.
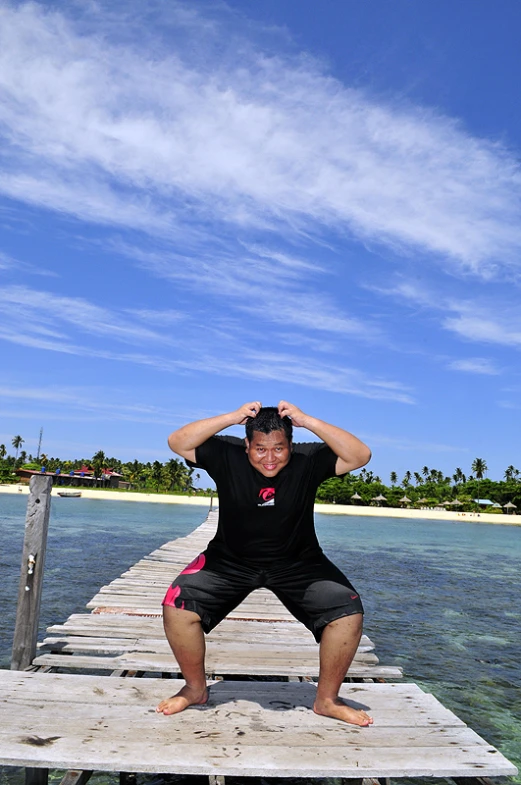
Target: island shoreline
<point x="327" y="509"/>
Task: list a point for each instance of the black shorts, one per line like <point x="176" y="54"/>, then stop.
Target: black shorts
<point x="313" y="590"/>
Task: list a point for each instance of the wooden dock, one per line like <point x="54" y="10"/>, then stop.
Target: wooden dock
<point x="124" y="630"/>
<point x="58" y="720"/>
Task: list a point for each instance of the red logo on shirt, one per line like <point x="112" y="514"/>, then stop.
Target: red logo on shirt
<point x="268" y="497"/>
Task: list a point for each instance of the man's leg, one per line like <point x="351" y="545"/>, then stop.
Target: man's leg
<point x="186" y="638"/>
<point x="338" y="645"/>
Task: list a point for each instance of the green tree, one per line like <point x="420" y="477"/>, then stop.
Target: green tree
<point x="425" y="471"/>
<point x="418" y="479"/>
<point x="406" y="479"/>
<point x="394" y="479"/>
<point x="3" y="452"/>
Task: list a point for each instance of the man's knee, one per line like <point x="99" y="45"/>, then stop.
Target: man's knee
<point x="351" y="624"/>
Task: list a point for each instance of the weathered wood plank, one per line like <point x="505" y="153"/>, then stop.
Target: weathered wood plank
<point x="246" y="729"/>
<point x="157" y="663"/>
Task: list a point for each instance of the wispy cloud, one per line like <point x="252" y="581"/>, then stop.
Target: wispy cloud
<point x="46" y="316"/>
<point x="9" y="264"/>
<point x="480" y="365"/>
<point x="484" y="319"/>
<point x="74" y="325"/>
<point x="409" y="445"/>
<point x="97" y="403"/>
<point x="112" y="127"/>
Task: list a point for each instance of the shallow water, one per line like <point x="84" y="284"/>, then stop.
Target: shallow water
<point x="441" y="598"/>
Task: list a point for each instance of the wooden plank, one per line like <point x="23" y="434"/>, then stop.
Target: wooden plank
<point x="156" y="663"/>
<point x="247" y="729"/>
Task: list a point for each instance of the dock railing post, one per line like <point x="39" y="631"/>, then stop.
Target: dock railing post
<point x="31" y="576"/>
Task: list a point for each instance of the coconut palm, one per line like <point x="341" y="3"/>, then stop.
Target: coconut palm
<point x="480" y="468"/>
<point x="98" y="463"/>
<point x="425" y="471"/>
<point x="459" y="477"/>
<point x="406" y="479"/>
<point x="418" y="479"/>
<point x="3" y="451"/>
<point x="394" y="479"/>
<point x="157" y="474"/>
<point x="511" y="473"/>
<point x="17" y="443"/>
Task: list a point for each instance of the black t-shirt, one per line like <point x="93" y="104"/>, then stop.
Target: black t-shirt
<point x="265" y="519"/>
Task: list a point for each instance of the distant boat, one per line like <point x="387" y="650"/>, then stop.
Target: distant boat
<point x="70" y="494"/>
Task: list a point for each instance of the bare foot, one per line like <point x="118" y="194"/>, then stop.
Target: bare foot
<point x="187" y="696"/>
<point x="340" y="711"/>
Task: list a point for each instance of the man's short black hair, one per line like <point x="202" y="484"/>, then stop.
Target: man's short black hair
<point x="267" y="420"/>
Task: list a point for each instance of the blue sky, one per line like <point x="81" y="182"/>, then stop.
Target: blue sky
<point x="203" y="204"/>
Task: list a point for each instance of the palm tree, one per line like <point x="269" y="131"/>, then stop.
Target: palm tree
<point x="511" y="473"/>
<point x="480" y="468"/>
<point x="3" y="452"/>
<point x="157" y="474"/>
<point x="98" y="462"/>
<point x="394" y="479"/>
<point x="425" y="471"/>
<point x="17" y="443"/>
<point x="406" y="479"/>
<point x="418" y="479"/>
<point x="459" y="477"/>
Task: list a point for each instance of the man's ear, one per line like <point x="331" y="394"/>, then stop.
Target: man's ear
<point x="246" y="443"/>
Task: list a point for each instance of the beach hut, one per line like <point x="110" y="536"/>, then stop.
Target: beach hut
<point x="456" y="503"/>
<point x="404" y="500"/>
<point x="356" y="497"/>
<point x="379" y="499"/>
<point x="509" y="506"/>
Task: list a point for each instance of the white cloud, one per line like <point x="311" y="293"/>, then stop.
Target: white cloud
<point x="479" y="365"/>
<point x="107" y="124"/>
<point x="477" y="323"/>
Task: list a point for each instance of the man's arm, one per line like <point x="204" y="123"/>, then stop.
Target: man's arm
<point x="351" y="452"/>
<point x="186" y="439"/>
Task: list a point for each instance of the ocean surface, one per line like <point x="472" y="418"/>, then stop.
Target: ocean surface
<point x="442" y="598"/>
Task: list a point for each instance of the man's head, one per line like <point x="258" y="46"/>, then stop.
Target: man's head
<point x="268" y="441"/>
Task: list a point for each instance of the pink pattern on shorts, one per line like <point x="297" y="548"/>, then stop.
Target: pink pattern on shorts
<point x="171" y="597"/>
<point x="195" y="565"/>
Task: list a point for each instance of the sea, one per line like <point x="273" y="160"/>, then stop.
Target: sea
<point x="442" y="598"/>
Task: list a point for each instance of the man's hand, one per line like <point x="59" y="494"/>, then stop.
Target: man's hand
<point x="298" y="417"/>
<point x="186" y="440"/>
<point x="351" y="452"/>
<point x="247" y="410"/>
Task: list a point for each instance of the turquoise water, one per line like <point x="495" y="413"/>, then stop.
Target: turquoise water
<point x="442" y="599"/>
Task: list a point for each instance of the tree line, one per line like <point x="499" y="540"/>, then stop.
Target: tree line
<point x="172" y="476"/>
<point x="426" y="488"/>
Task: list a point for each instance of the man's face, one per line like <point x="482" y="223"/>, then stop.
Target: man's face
<point x="268" y="452"/>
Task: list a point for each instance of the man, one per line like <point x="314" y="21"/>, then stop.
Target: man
<point x="266" y="537"/>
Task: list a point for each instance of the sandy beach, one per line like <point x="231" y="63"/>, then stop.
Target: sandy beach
<point x="328" y="509"/>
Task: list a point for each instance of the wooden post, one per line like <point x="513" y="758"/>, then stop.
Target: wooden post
<point x="36" y="776"/>
<point x="31" y="577"/>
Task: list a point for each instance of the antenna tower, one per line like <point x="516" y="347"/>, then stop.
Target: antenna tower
<point x="39" y="443"/>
